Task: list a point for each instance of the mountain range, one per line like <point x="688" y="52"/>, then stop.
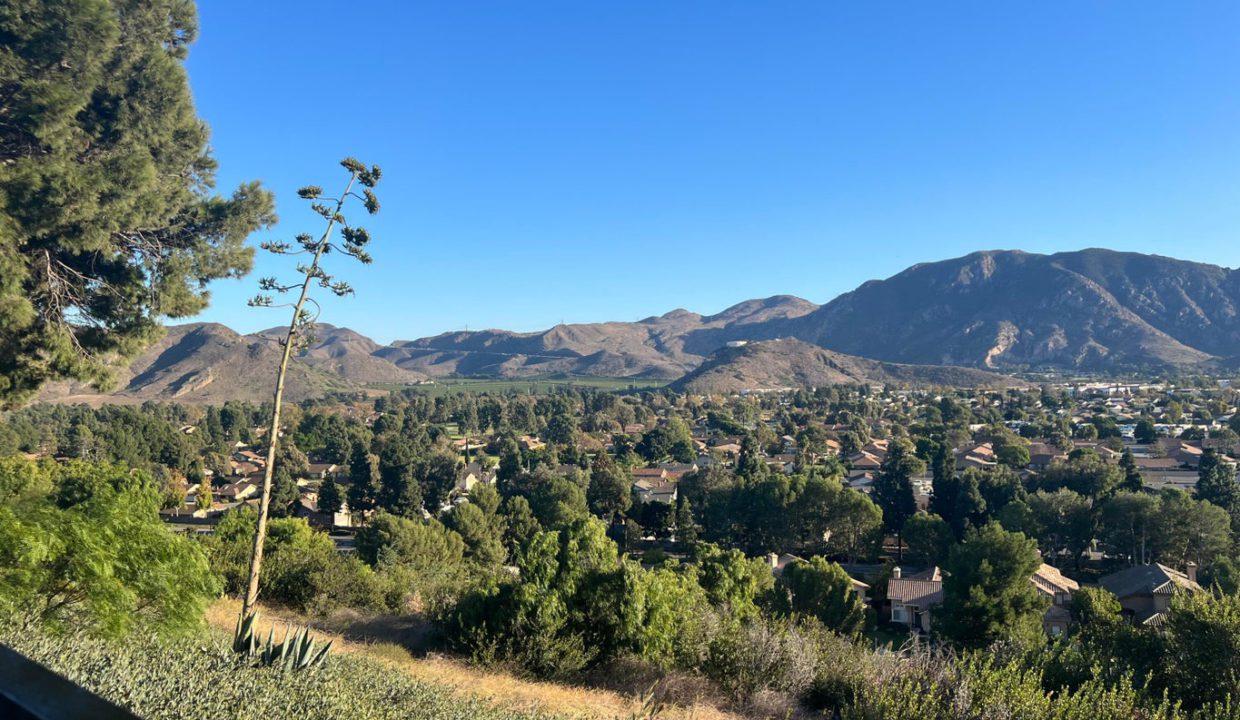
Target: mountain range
<point x="1090" y="310"/>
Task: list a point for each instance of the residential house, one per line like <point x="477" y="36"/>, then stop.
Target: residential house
<point x="322" y="471"/>
<point x="244" y="469"/>
<point x="529" y="442"/>
<point x="913" y="597"/>
<point x="877" y="448"/>
<point x="1152" y="464"/>
<point x="1186" y="454"/>
<point x="1145" y="591"/>
<point x="1043" y="455"/>
<point x="784" y="463"/>
<point x="1185" y="480"/>
<point x="232" y="492"/>
<point x="471" y="476"/>
<point x="651" y="473"/>
<point x="653" y="485"/>
<point x="1109" y="455"/>
<point x="980" y="456"/>
<point x="864" y="462"/>
<point x="862" y="481"/>
<point x="308" y="508"/>
<point x="249" y="456"/>
<point x="1058" y="589"/>
<point x="674" y="471"/>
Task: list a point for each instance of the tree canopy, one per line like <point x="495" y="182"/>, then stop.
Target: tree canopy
<point x="107" y="222"/>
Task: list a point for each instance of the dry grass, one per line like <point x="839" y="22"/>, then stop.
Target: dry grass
<point x="500" y="688"/>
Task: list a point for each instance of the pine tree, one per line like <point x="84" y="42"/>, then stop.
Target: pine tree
<point x="970" y="509"/>
<point x="1132" y="481"/>
<point x="944" y="497"/>
<point x="330" y="500"/>
<point x="106" y="224"/>
<point x="609" y="492"/>
<point x="1216" y="483"/>
<point x="987" y="593"/>
<point x="686" y="526"/>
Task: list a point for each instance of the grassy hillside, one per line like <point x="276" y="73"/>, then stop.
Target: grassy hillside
<point x="387" y="641"/>
<point x="201" y="677"/>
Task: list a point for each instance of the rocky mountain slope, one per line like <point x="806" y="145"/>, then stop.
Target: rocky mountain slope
<point x="791" y="363"/>
<point x="1090" y="310"/>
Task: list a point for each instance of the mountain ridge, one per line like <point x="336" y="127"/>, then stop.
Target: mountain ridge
<point x="1084" y="310"/>
<point x="996" y="310"/>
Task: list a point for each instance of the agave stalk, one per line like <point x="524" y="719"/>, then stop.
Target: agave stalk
<point x="354" y="240"/>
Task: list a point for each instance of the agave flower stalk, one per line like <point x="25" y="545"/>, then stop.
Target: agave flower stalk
<point x="355" y="239"/>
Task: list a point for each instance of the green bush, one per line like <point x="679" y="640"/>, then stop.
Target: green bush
<point x="302" y="569"/>
<point x="82" y="546"/>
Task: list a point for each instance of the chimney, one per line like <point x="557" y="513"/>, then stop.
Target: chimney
<point x="773" y="559"/>
<point x="1191" y="570"/>
<point x="896" y="572"/>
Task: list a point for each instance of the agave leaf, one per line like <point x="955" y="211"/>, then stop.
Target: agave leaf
<point x="318" y="659"/>
<point x="306" y="654"/>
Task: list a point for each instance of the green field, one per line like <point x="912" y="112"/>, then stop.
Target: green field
<point x="528" y="385"/>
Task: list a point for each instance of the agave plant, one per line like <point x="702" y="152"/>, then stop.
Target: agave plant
<point x="296" y="651"/>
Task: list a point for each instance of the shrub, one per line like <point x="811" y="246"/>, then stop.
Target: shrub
<point x="302" y="569"/>
<point x="92" y="552"/>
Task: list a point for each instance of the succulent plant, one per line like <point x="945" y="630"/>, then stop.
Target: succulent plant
<point x="296" y="651"/>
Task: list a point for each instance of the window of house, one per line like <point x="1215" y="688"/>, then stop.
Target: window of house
<point x="899" y="614"/>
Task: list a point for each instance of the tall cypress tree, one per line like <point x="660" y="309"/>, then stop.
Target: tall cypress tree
<point x="1132" y="481"/>
<point x="1216" y="483"/>
<point x="893" y="487"/>
<point x="330" y="500"/>
<point x="363" y="479"/>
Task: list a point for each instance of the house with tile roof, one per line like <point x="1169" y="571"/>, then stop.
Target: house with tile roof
<point x="1058" y="589"/>
<point x="1145" y="591"/>
<point x="913" y="597"/>
<point x="654" y="488"/>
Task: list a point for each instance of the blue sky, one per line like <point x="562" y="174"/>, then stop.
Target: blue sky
<point x="586" y="161"/>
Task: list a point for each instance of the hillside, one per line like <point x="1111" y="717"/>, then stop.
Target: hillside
<point x="791" y="363"/>
<point x="1089" y="310"/>
<point x="348" y="354"/>
<point x="209" y="363"/>
<point x="666" y="346"/>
